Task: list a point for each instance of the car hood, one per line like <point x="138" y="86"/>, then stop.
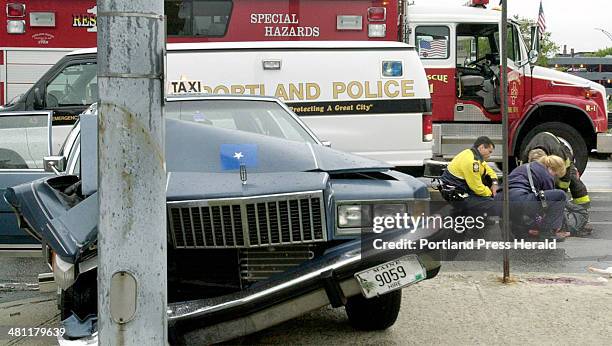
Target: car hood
<point x="562" y="77"/>
<point x="185" y="186"/>
<point x="192" y="147"/>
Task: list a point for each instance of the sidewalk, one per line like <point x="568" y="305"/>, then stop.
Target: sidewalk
<point x="472" y="308"/>
<point x="536" y="309"/>
<point x="456" y="308"/>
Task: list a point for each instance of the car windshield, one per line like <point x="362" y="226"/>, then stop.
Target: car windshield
<point x="256" y="116"/>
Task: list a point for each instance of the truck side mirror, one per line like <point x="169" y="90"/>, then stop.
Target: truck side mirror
<point x="54" y="164"/>
<point x="535" y="39"/>
<point x="533" y="56"/>
<point x="38" y="99"/>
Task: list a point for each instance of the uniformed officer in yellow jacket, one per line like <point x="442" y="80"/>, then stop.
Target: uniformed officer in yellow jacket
<point x="469" y="172"/>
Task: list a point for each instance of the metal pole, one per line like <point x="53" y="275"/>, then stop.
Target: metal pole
<point x="132" y="284"/>
<point x="504" y="99"/>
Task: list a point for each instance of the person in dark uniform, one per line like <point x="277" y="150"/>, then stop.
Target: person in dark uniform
<point x="545" y="202"/>
<point x="551" y="145"/>
<point x="469" y="173"/>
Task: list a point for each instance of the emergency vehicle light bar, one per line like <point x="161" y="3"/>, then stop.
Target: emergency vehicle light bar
<point x="392" y="68"/>
<point x="349" y="22"/>
<point x="15" y="10"/>
<point x="271" y="64"/>
<point x="377" y="30"/>
<point x="15" y="26"/>
<point x="377" y="14"/>
<point x="478" y="3"/>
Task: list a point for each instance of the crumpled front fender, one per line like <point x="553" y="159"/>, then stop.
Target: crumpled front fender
<point x="68" y="226"/>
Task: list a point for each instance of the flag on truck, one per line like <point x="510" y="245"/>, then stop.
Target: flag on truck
<point x="541" y="20"/>
<point x="434" y="48"/>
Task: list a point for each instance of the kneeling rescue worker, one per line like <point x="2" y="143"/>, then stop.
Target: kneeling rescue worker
<point x="469" y="173"/>
<point x="553" y="146"/>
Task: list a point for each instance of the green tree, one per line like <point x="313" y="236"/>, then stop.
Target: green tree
<point x="603" y="52"/>
<point x="548" y="48"/>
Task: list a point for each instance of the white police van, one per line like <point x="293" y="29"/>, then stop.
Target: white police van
<point x="368" y="98"/>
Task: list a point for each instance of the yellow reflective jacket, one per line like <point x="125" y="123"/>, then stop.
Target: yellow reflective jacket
<point x="468" y="167"/>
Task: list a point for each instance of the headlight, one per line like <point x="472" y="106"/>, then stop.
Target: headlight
<point x="353" y="218"/>
<point x="349" y="216"/>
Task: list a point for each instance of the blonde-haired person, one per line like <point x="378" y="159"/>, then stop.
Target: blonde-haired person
<point x="536" y="154"/>
<point x="525" y="202"/>
<point x="553" y="145"/>
<point x="554" y="164"/>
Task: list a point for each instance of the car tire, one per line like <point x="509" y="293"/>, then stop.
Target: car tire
<point x="566" y="132"/>
<point x="377" y="313"/>
<point x="432" y="273"/>
<point x="81" y="298"/>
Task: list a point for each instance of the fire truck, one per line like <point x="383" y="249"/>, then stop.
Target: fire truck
<point x="40" y="32"/>
<point x="459" y="48"/>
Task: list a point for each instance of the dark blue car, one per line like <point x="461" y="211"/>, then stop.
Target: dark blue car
<point x="286" y="220"/>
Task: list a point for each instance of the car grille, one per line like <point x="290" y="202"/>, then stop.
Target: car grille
<point x="295" y="218"/>
<point x="261" y="263"/>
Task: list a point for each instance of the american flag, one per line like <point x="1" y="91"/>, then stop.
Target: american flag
<point x="435" y="48"/>
<point x="541" y="20"/>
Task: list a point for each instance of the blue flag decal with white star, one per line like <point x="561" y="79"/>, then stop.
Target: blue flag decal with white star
<point x="233" y="155"/>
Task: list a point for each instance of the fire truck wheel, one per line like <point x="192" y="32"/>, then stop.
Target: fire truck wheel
<point x="375" y="313"/>
<point x="81" y="298"/>
<point x="568" y="135"/>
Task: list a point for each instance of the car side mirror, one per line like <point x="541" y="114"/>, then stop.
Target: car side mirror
<point x="38" y="99"/>
<point x="533" y="56"/>
<point x="326" y="144"/>
<point x="54" y="164"/>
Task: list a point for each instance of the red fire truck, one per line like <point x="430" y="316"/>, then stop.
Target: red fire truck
<point x="39" y="32"/>
<point x="459" y="48"/>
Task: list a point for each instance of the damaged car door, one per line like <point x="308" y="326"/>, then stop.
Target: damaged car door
<point x="25" y="139"/>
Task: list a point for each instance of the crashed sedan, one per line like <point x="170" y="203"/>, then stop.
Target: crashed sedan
<point x="284" y="222"/>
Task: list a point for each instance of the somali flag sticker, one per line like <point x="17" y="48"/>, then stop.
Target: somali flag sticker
<point x="233" y="155"/>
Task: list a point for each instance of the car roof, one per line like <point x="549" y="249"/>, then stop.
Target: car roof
<point x="452" y="14"/>
<point x="273" y="45"/>
<point x="201" y="96"/>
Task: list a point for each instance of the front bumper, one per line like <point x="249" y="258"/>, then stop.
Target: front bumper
<point x="328" y="279"/>
<point x="604" y="143"/>
<point x="325" y="280"/>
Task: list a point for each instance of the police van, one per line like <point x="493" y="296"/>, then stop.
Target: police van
<point x="368" y="98"/>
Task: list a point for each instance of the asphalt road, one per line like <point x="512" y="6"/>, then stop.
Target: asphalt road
<point x="18" y="277"/>
<point x="572" y="256"/>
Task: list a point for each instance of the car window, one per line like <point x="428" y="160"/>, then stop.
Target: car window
<point x="476" y="42"/>
<point x="262" y="117"/>
<point x="71" y="140"/>
<point x="73" y="164"/>
<point x="74" y="85"/>
<point x="23" y="141"/>
<point x="432" y="42"/>
<point x="514" y="51"/>
<point x="202" y="18"/>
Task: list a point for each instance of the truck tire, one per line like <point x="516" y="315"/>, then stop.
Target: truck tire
<point x="566" y="133"/>
<point x="377" y="313"/>
<point x="81" y="298"/>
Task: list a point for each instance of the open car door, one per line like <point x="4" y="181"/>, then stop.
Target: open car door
<point x="25" y="139"/>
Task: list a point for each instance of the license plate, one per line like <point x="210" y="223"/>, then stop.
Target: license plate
<point x="390" y="276"/>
